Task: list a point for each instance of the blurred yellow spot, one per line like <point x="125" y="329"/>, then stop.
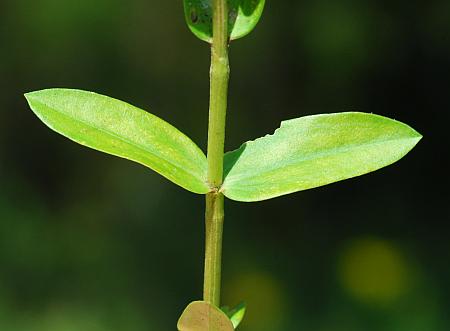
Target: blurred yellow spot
<point x="264" y="297"/>
<point x="374" y="271"/>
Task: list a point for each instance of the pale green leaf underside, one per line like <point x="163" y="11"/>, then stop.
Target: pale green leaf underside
<point x="312" y="151"/>
<point x="120" y="129"/>
<point x="243" y="17"/>
<point x="202" y="316"/>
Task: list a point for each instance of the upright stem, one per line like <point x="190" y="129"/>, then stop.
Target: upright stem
<point x="214" y="216"/>
<point x="219" y="75"/>
<point x="213" y="248"/>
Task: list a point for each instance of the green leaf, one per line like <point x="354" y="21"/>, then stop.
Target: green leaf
<point x="202" y="316"/>
<point x="236" y="314"/>
<point x="312" y="151"/>
<point x="117" y="128"/>
<point x="243" y="17"/>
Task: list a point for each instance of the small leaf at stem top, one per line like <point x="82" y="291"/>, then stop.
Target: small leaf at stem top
<point x="117" y="128"/>
<point x="312" y="151"/>
<point x="236" y="314"/>
<point x="202" y="316"/>
<point x="242" y="19"/>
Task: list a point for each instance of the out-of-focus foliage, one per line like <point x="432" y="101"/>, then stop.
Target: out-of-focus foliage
<point x="90" y="242"/>
<point x="360" y="274"/>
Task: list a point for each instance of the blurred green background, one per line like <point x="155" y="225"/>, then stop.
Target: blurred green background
<point x="95" y="243"/>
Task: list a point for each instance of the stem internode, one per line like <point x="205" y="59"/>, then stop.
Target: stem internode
<point x="214" y="216"/>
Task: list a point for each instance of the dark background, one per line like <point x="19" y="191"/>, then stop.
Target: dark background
<point x="95" y="243"/>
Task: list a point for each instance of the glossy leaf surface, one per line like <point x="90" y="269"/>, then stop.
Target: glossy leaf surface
<point x="120" y="129"/>
<point x="243" y="17"/>
<point x="202" y="316"/>
<point x="312" y="151"/>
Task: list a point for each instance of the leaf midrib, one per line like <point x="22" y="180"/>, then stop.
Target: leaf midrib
<point x="178" y="167"/>
<point x="316" y="156"/>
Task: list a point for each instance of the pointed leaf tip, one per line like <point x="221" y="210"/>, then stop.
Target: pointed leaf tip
<point x="120" y="129"/>
<point x="312" y="151"/>
<point x="236" y="314"/>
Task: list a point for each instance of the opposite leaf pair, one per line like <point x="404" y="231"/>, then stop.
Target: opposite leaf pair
<point x="303" y="153"/>
<point x="242" y="18"/>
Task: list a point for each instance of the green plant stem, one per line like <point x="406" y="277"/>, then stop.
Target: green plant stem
<point x="213" y="248"/>
<point x="214" y="216"/>
<point x="219" y="75"/>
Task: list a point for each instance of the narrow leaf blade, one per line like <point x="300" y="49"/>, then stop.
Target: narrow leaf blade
<point x="202" y="316"/>
<point x="120" y="129"/>
<point x="244" y="15"/>
<point x="312" y="151"/>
